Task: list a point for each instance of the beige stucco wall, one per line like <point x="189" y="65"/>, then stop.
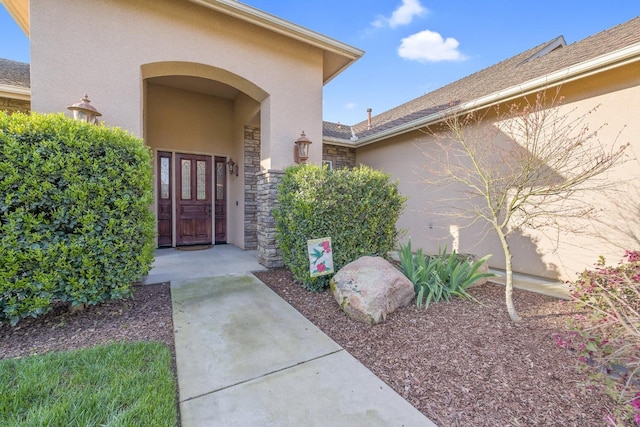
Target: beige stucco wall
<point x="112" y="50"/>
<point x="538" y="252"/>
<point x="188" y="122"/>
<point x="99" y="47"/>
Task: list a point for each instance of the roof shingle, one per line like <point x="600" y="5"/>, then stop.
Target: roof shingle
<point x="534" y="63"/>
<point x="13" y="73"/>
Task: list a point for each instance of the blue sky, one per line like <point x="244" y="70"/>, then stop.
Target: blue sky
<point x="415" y="46"/>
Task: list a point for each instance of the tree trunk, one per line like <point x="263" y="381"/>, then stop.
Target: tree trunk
<point x="508" y="292"/>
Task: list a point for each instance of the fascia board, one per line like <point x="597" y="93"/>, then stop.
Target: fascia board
<point x="14" y="92"/>
<point x="338" y="142"/>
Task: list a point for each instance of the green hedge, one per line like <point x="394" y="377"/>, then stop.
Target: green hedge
<point x="75" y="224"/>
<point x="357" y="208"/>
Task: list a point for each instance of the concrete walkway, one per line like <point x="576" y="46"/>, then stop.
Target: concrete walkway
<point x="245" y="357"/>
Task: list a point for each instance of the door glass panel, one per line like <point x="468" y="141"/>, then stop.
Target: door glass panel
<point x="220" y="171"/>
<point x="164" y="177"/>
<point x="186" y="179"/>
<point x="201" y="184"/>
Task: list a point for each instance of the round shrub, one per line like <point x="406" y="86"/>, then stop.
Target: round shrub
<point x="75" y="224"/>
<point x="358" y="208"/>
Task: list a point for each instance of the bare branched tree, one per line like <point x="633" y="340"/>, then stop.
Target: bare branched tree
<point x="527" y="167"/>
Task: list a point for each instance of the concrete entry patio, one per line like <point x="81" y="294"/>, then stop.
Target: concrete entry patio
<point x="174" y="264"/>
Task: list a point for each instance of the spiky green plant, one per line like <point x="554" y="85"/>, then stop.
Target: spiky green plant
<point x="440" y="277"/>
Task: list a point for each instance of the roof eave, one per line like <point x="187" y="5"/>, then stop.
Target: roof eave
<point x="349" y="54"/>
<point x="19" y="10"/>
<point x="338" y="141"/>
<point x="602" y="63"/>
<point x="15" y="92"/>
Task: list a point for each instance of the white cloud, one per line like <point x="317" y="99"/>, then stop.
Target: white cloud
<point x="351" y="105"/>
<point x="403" y="15"/>
<point x="429" y="46"/>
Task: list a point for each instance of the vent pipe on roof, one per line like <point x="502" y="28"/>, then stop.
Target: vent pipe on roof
<point x="354" y="137"/>
<point x="369" y="118"/>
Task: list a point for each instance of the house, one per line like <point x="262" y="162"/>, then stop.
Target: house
<point x="14" y="86"/>
<point x="603" y="70"/>
<point x="220" y="90"/>
<point x="217" y="89"/>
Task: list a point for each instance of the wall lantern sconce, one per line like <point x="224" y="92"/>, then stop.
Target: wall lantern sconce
<point x="301" y="150"/>
<point x="84" y="111"/>
<point x="233" y="166"/>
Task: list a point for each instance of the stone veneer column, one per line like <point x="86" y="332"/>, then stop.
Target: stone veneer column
<point x="268" y="253"/>
<point x="251" y="169"/>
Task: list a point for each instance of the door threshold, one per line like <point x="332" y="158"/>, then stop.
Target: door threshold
<point x="193" y="247"/>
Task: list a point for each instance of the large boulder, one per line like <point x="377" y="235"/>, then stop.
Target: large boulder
<point x="370" y="288"/>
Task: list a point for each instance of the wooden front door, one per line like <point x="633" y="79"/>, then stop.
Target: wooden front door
<point x="221" y="200"/>
<point x="193" y="200"/>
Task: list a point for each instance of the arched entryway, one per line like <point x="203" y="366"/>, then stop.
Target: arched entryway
<point x="202" y="123"/>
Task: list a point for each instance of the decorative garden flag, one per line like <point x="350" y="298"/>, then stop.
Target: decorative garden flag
<point x="320" y="256"/>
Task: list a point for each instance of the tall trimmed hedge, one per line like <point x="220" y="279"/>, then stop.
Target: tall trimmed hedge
<point x="357" y="208"/>
<point x="75" y="224"/>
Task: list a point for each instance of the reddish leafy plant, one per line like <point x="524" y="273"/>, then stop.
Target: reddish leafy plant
<point x="607" y="336"/>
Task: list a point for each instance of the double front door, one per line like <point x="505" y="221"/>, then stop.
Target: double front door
<point x="200" y="199"/>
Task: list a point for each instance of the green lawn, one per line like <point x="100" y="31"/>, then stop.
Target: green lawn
<point x="123" y="384"/>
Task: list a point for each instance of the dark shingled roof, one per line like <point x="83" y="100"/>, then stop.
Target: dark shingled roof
<point x="534" y="63"/>
<point x="13" y="73"/>
<point x="336" y="130"/>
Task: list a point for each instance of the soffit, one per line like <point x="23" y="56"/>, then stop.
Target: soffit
<point x="197" y="84"/>
<point x="19" y="10"/>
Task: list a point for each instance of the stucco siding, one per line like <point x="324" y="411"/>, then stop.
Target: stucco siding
<point x="189" y="122"/>
<point x="99" y="47"/>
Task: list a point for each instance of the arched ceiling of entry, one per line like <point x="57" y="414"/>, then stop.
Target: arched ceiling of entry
<point x="201" y="78"/>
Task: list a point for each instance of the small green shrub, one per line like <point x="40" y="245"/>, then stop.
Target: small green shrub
<point x="440" y="277"/>
<point x="75" y="224"/>
<point x="357" y="208"/>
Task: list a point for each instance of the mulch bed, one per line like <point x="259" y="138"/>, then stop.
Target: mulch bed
<point x="146" y="317"/>
<point x="467" y="364"/>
